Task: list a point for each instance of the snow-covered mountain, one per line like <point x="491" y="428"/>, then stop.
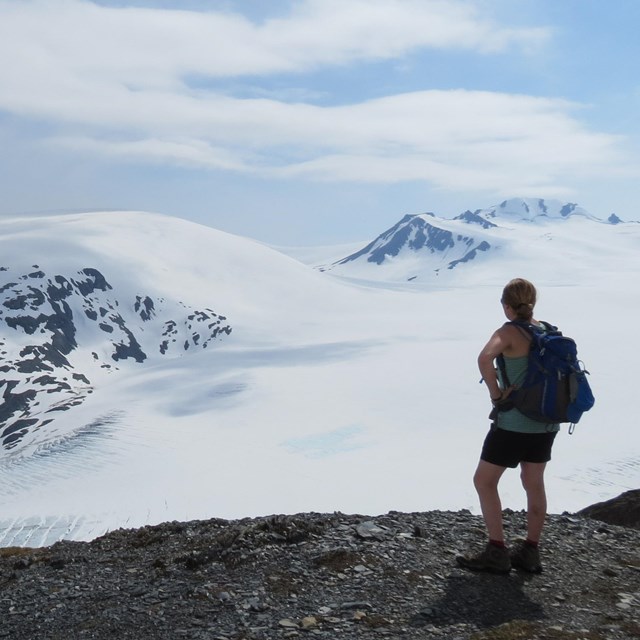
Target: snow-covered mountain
<point x="441" y="242"/>
<point x="155" y="369"/>
<point x="422" y="246"/>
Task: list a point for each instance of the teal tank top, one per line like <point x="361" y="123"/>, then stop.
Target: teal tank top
<point x="513" y="420"/>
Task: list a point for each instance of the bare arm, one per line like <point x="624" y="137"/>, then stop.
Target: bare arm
<point x="498" y="343"/>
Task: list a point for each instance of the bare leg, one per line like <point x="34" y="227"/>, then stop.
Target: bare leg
<point x="486" y="480"/>
<point x="532" y="476"/>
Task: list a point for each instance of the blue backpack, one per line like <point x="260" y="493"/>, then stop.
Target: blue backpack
<point x="555" y="388"/>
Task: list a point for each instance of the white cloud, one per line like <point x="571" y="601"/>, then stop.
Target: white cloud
<point x="325" y="31"/>
<point x="456" y="140"/>
<point x="182" y="152"/>
<point x="62" y="58"/>
<point x="155" y="47"/>
<point x="115" y="81"/>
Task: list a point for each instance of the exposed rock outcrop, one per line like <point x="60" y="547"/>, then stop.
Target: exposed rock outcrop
<point x="44" y="319"/>
<point x="624" y="510"/>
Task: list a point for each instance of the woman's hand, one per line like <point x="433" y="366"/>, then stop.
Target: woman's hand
<point x="504" y="395"/>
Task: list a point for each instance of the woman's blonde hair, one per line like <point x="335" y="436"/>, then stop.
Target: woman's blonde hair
<point x="520" y="295"/>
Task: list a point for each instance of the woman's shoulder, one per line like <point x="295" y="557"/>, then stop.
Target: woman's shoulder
<point x="510" y="328"/>
<point x="515" y="338"/>
<point x="525" y="326"/>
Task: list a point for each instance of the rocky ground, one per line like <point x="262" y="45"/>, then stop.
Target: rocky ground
<point x="323" y="576"/>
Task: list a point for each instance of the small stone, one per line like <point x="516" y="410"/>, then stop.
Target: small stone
<point x="356" y="605"/>
<point x="288" y="624"/>
<point x="57" y="563"/>
<point x="309" y="622"/>
<point x="369" y="530"/>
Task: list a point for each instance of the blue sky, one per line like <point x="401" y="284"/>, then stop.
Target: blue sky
<point x="317" y="121"/>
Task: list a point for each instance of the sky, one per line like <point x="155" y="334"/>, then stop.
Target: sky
<point x="312" y="122"/>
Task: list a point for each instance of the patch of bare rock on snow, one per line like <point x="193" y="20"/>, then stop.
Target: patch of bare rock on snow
<point x="324" y="576"/>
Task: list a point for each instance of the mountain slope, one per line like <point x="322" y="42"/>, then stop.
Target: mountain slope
<point x="84" y="296"/>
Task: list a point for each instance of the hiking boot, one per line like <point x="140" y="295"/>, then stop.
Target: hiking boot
<point x="493" y="560"/>
<point x="527" y="558"/>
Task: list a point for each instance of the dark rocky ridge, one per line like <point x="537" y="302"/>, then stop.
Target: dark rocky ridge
<point x="323" y="576"/>
<point x="40" y="318"/>
<point x="624" y="510"/>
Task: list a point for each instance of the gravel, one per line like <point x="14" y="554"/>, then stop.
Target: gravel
<point x="323" y="576"/>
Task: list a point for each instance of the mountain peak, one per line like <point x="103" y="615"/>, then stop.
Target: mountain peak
<point x="530" y="209"/>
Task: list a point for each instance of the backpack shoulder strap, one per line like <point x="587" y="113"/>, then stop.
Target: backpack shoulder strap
<point x="531" y="332"/>
<point x="502" y="367"/>
<point x="551" y="328"/>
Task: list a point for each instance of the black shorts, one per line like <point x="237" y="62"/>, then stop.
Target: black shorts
<point x="510" y="448"/>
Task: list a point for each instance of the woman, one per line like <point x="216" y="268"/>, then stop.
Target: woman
<point x="513" y="440"/>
